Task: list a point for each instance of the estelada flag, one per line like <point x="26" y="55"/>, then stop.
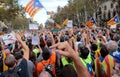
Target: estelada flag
<point x="90" y="22"/>
<point x="56" y="25"/>
<point x="113" y="21"/>
<point x="108" y="64"/>
<point x="33" y="7"/>
<point x="65" y="23"/>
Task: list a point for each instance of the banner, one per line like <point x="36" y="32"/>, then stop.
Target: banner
<point x="9" y="38"/>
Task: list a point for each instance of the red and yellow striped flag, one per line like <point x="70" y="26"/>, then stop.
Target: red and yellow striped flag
<point x="33" y="7"/>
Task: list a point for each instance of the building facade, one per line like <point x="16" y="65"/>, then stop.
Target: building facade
<point x="106" y="11"/>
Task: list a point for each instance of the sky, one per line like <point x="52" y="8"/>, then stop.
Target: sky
<point x="50" y="5"/>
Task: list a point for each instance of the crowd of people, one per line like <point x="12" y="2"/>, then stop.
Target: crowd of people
<point x="72" y="52"/>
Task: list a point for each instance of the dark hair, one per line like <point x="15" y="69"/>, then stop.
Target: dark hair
<point x="62" y="39"/>
<point x="49" y="42"/>
<point x="30" y="46"/>
<point x="69" y="71"/>
<point x="93" y="46"/>
<point x="32" y="57"/>
<point x="66" y="33"/>
<point x="18" y="54"/>
<point x="0" y="48"/>
<point x="116" y="37"/>
<point x="42" y="43"/>
<point x="46" y="53"/>
<point x="84" y="52"/>
<point x="103" y="50"/>
<point x="111" y="35"/>
<point x="66" y="38"/>
<point x="16" y="45"/>
<point x="56" y="40"/>
<point x="78" y="38"/>
<point x="35" y="46"/>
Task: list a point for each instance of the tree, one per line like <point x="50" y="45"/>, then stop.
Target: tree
<point x="20" y="23"/>
<point x="77" y="10"/>
<point x="12" y="14"/>
<point x="118" y="8"/>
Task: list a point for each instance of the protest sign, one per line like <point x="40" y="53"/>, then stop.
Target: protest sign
<point x="70" y="23"/>
<point x="35" y="40"/>
<point x="33" y="26"/>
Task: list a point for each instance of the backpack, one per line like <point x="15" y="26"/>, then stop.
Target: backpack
<point x="12" y="73"/>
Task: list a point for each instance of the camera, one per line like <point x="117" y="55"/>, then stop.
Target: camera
<point x="48" y="67"/>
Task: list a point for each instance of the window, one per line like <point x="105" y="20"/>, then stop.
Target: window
<point x="99" y="8"/>
<point x="100" y="17"/>
<point x="111" y="5"/>
<point x="96" y="15"/>
<point x="105" y="7"/>
<point x="99" y="11"/>
<point x="114" y="0"/>
<point x="104" y="15"/>
<point x="109" y="15"/>
<point x="114" y="13"/>
<point x="116" y="6"/>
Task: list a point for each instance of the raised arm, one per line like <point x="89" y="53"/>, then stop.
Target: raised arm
<point x="66" y="50"/>
<point x="25" y="47"/>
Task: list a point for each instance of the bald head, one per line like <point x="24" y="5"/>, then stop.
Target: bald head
<point x="44" y="74"/>
<point x="10" y="60"/>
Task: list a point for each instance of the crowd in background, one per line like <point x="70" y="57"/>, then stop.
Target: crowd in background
<point x="72" y="52"/>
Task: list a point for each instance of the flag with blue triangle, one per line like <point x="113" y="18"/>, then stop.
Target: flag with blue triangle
<point x="113" y="21"/>
<point x="91" y="21"/>
<point x="33" y="7"/>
